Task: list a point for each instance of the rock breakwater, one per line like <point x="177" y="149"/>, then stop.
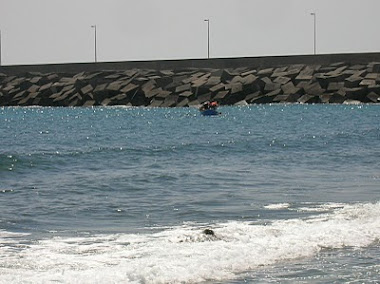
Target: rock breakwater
<point x="338" y="82"/>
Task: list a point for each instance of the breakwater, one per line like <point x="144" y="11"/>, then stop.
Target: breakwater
<point x="350" y="78"/>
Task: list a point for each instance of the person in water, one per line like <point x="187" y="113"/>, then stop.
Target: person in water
<point x="209" y="105"/>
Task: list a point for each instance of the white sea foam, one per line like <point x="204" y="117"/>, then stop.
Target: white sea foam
<point x="185" y="254"/>
<point x="277" y="206"/>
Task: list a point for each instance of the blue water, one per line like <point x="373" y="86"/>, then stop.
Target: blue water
<point x="128" y="182"/>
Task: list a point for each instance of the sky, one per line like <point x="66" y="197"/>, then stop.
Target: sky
<point x="59" y="31"/>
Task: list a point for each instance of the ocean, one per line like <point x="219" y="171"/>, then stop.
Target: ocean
<point x="286" y="194"/>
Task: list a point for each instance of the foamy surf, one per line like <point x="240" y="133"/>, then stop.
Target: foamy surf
<point x="184" y="253"/>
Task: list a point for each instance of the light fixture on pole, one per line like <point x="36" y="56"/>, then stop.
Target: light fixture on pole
<point x="96" y="58"/>
<point x="315" y="31"/>
<point x="0" y="47"/>
<point x="208" y="37"/>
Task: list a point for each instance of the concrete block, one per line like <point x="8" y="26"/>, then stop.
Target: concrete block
<point x="186" y="94"/>
<point x="74" y="103"/>
<point x="155" y="102"/>
<point x="375" y="67"/>
<point x="76" y="96"/>
<point x="280" y="98"/>
<point x="220" y="96"/>
<point x="289" y="88"/>
<point x="183" y="103"/>
<point x="52" y="77"/>
<point x="152" y="93"/>
<point x="130" y="87"/>
<point x="302" y="77"/>
<point x="252" y="96"/>
<point x="217" y="87"/>
<point x="194" y="103"/>
<point x="374" y="88"/>
<point x="295" y="69"/>
<point x="249" y="79"/>
<point x="212" y="81"/>
<point x="373" y="97"/>
<point x="358" y="67"/>
<point x="325" y="98"/>
<point x="170" y="101"/>
<point x="235" y="87"/>
<point x="326" y="69"/>
<point x="310" y="70"/>
<point x="338" y="64"/>
<point x="199" y="82"/>
<point x="265" y="72"/>
<point x="36" y="101"/>
<point x="85" y="90"/>
<point x="372" y="76"/>
<point x="183" y="88"/>
<point x="249" y="72"/>
<point x="314" y="89"/>
<point x="353" y="81"/>
<point x="236" y="79"/>
<point x="204" y="98"/>
<point x="89" y="103"/>
<point x="35" y="80"/>
<point x="308" y="99"/>
<point x="88" y="96"/>
<point x="269" y="87"/>
<point x="24" y="101"/>
<point x="130" y="73"/>
<point x="367" y="82"/>
<point x="19" y="94"/>
<point x="280" y="71"/>
<point x="241" y="103"/>
<point x="334" y="86"/>
<point x="167" y="72"/>
<point x="356" y="93"/>
<point x="13" y="91"/>
<point x="33" y="88"/>
<point x="324" y="80"/>
<point x="45" y="87"/>
<point x="281" y="80"/>
<point x="114" y="86"/>
<point x="113" y="76"/>
<point x="119" y="97"/>
<point x="227" y="75"/>
<point x="337" y="71"/>
<point x="100" y="88"/>
<point x="163" y="94"/>
<point x="267" y="98"/>
<point x="148" y="86"/>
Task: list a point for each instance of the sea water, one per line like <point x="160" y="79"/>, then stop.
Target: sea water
<point x="123" y="195"/>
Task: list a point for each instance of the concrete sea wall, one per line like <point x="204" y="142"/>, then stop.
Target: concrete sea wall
<point x="336" y="78"/>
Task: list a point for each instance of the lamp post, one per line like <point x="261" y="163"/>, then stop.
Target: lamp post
<point x="315" y="32"/>
<point x="208" y="37"/>
<point x="94" y="27"/>
<point x="0" y="47"/>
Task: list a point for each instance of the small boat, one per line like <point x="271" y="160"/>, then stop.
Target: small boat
<point x="210" y="112"/>
<point x="209" y="108"/>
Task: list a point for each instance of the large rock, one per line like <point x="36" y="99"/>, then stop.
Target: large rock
<point x="314" y="89"/>
<point x="356" y="93"/>
<point x="373" y="97"/>
<point x="308" y="99"/>
<point x="290" y="89"/>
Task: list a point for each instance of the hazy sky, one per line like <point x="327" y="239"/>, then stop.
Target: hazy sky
<point x="59" y="31"/>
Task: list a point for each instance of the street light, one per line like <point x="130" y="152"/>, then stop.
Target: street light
<point x="208" y="37"/>
<point x="315" y="31"/>
<point x="94" y="27"/>
<point x="0" y="47"/>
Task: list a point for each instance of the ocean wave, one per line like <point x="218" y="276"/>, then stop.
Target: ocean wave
<point x="186" y="254"/>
